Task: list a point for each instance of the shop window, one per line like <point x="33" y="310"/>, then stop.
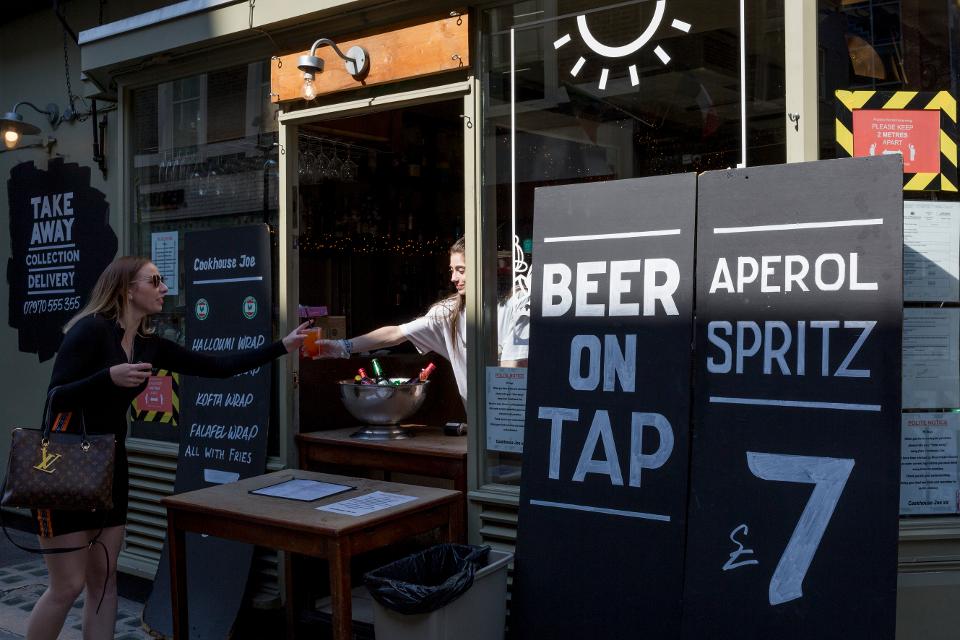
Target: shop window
<point x="559" y="110"/>
<point x="900" y="55"/>
<point x="903" y="45"/>
<point x="381" y="203"/>
<point x="204" y="157"/>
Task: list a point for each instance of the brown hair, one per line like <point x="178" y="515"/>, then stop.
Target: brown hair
<point x="109" y="295"/>
<point x="458" y="301"/>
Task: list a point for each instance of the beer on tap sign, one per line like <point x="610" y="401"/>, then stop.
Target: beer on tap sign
<point x="727" y="468"/>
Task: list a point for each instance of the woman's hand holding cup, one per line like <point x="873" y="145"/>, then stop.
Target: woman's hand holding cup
<point x="295" y="339"/>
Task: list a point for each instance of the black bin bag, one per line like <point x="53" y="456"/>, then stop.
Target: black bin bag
<point x="426" y="581"/>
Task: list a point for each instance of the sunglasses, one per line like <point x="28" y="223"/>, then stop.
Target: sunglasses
<point x="156" y="280"/>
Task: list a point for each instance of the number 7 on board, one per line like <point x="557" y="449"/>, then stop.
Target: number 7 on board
<point x="829" y="475"/>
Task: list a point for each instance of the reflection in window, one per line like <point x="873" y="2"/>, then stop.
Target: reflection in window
<point x="883" y="45"/>
<point x="204" y="156"/>
<point x="557" y="111"/>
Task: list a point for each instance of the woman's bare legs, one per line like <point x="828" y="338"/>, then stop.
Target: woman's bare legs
<point x="66" y="571"/>
<point x="100" y="626"/>
<point x="69" y="574"/>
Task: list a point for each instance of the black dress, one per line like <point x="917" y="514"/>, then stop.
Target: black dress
<point x="82" y="373"/>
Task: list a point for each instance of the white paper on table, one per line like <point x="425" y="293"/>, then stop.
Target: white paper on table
<point x="506" y="404"/>
<point x="301" y="489"/>
<point x="931" y="351"/>
<point x="363" y="505"/>
<point x="929" y="462"/>
<point x="164" y="246"/>
<point x="218" y="476"/>
<point x="931" y="251"/>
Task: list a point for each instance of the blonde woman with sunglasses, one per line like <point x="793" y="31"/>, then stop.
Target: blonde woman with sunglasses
<point x="106" y="357"/>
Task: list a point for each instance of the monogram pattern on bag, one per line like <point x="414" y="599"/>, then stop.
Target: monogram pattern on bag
<point x="62" y="475"/>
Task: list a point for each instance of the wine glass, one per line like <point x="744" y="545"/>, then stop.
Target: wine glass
<point x="320" y="170"/>
<point x="334" y="166"/>
<point x="309" y="167"/>
<point x="349" y="170"/>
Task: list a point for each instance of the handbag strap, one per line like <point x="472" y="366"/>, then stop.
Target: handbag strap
<point x="48" y="422"/>
<point x="58" y="550"/>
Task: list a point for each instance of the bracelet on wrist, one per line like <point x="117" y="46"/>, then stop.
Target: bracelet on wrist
<point x="348" y="345"/>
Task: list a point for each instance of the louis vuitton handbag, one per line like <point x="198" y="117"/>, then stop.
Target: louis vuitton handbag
<point x="51" y="468"/>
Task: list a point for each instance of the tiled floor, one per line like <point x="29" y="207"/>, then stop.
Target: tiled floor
<point x="22" y="584"/>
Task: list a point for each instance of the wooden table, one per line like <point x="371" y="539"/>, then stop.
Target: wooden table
<point x="428" y="453"/>
<point x="230" y="511"/>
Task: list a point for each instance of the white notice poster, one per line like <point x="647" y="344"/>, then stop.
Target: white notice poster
<point x="163" y="252"/>
<point x="367" y="504"/>
<point x="506" y="402"/>
<point x="931" y="251"/>
<point x="929" y="463"/>
<point x="931" y="351"/>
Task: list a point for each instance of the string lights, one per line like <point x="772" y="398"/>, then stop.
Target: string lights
<point x="374" y="244"/>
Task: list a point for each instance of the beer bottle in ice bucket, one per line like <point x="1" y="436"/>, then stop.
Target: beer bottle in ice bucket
<point x="423" y="375"/>
<point x="426" y="371"/>
<point x="378" y="376"/>
<point x="361" y="377"/>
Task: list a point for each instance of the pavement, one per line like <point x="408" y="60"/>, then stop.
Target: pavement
<point x="23" y="579"/>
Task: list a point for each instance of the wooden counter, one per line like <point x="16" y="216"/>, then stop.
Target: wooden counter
<point x="429" y="453"/>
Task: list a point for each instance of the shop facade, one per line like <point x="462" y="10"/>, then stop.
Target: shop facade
<point x="464" y="113"/>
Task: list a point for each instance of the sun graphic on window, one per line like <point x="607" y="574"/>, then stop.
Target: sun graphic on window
<point x="607" y="51"/>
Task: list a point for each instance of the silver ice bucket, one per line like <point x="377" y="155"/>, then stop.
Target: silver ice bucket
<point x="381" y="407"/>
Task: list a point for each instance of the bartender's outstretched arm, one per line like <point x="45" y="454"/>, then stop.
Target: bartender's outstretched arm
<point x="377" y="339"/>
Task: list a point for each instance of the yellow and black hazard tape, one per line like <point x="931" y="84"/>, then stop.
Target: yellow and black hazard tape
<point x="850" y="101"/>
<point x="172" y="417"/>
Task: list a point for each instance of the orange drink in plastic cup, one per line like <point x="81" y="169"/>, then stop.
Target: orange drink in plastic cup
<point x="311" y="343"/>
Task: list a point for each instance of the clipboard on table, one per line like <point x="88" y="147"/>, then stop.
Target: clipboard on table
<point x="301" y="489"/>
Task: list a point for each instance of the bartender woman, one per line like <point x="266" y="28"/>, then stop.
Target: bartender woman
<point x="442" y="330"/>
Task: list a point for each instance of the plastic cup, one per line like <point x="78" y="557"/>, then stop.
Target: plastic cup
<point x="311" y="343"/>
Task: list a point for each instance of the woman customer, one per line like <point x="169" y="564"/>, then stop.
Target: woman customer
<point x="442" y="330"/>
<point x="103" y="364"/>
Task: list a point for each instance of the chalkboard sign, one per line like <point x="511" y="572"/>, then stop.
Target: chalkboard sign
<point x="223" y="425"/>
<point x="60" y="242"/>
<point x="603" y="497"/>
<point x="794" y="475"/>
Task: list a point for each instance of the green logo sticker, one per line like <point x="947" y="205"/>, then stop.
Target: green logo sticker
<point x="202" y="309"/>
<point x="249" y="307"/>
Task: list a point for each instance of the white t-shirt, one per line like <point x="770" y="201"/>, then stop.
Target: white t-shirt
<point x="431" y="332"/>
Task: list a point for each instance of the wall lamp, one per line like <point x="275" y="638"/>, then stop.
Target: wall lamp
<point x="357" y="62"/>
<point x="14" y="128"/>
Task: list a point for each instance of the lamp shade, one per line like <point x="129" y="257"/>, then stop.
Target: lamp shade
<point x="12" y="121"/>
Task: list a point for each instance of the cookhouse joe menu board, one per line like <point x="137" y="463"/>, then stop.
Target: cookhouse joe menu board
<point x="223" y="428"/>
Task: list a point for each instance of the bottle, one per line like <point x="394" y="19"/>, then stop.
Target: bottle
<point x="378" y="377"/>
<point x="423" y="375"/>
<point x="426" y="371"/>
<point x="361" y="377"/>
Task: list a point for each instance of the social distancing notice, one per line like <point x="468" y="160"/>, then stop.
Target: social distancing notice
<point x="160" y="401"/>
<point x="723" y="469"/>
<point x="919" y="126"/>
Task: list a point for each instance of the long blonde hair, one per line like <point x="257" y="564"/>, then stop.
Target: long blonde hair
<point x="458" y="302"/>
<point x="109" y="295"/>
